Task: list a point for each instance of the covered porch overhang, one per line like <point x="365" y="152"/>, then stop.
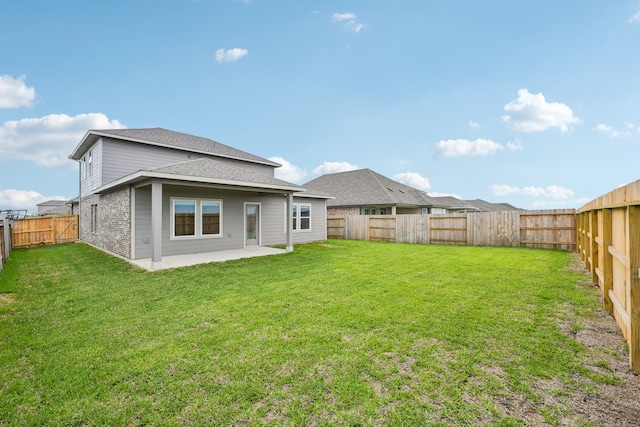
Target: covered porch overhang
<point x="156" y="179"/>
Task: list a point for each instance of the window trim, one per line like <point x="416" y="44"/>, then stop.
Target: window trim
<point x="83" y="168"/>
<point x="94" y="218"/>
<point x="90" y="163"/>
<point x="198" y="219"/>
<point x="296" y="217"/>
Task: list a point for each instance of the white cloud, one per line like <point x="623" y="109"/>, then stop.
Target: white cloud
<point x="515" y="145"/>
<point x="613" y="133"/>
<point x="532" y="113"/>
<point x="49" y="140"/>
<point x="349" y="20"/>
<point x="334" y="167"/>
<point x="230" y="55"/>
<point x="464" y="147"/>
<point x="338" y="17"/>
<point x="20" y="199"/>
<point x="533" y="191"/>
<point x="635" y="18"/>
<point x="473" y="124"/>
<point x="414" y="180"/>
<point x="504" y="190"/>
<point x="15" y="93"/>
<point x="559" y="193"/>
<point x="554" y="192"/>
<point x="288" y="172"/>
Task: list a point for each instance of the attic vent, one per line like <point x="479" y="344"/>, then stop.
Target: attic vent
<point x="389" y="189"/>
<point x="401" y="191"/>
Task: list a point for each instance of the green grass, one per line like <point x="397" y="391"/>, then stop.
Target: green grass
<point x="343" y="332"/>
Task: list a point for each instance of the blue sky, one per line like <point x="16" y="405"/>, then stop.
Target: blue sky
<point x="529" y="103"/>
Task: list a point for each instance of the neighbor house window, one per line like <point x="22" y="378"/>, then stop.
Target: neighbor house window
<point x="196" y="218"/>
<point x="301" y="217"/>
<point x="425" y="211"/>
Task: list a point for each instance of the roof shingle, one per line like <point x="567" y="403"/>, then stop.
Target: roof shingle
<point x="363" y="187"/>
<point x="173" y="139"/>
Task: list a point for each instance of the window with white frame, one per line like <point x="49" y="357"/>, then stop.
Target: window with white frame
<point x="301" y="217"/>
<point x="193" y="218"/>
<point x="94" y="218"/>
<point x="90" y="163"/>
<point x="83" y="167"/>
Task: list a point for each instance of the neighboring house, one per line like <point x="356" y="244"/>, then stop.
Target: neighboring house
<point x="54" y="207"/>
<point x="450" y="204"/>
<point x="485" y="206"/>
<point x="149" y="193"/>
<point x="74" y="205"/>
<point x="365" y="192"/>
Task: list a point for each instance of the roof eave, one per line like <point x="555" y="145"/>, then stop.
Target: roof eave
<point x="143" y="175"/>
<point x="87" y="141"/>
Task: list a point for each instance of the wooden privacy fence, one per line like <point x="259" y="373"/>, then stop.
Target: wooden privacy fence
<point x="554" y="229"/>
<point x="609" y="245"/>
<point x="32" y="232"/>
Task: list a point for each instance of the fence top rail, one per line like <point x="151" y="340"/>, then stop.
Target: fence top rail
<point x="624" y="196"/>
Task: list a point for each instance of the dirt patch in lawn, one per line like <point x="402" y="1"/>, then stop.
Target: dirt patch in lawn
<point x="6" y="299"/>
<point x="609" y="395"/>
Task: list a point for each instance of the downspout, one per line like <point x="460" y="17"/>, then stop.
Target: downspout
<point x="79" y="200"/>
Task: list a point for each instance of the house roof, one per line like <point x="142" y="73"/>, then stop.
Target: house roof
<point x="53" y="203"/>
<point x="168" y="138"/>
<point x="492" y="207"/>
<point x="207" y="171"/>
<point x="450" y="202"/>
<point x="364" y="187"/>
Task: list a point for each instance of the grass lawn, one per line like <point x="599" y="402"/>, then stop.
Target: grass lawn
<point x="342" y="332"/>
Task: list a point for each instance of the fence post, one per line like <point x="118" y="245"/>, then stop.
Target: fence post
<point x="633" y="280"/>
<point x="7" y="238"/>
<point x="606" y="269"/>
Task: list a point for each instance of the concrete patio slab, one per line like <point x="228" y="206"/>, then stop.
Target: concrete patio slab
<point x="175" y="261"/>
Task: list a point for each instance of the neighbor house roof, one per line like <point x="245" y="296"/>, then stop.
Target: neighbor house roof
<point x="206" y="171"/>
<point x="53" y="203"/>
<point x="364" y="187"/>
<point x="491" y="207"/>
<point x="452" y="203"/>
<point x="168" y="138"/>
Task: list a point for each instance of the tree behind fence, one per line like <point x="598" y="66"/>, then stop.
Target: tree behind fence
<point x="552" y="229"/>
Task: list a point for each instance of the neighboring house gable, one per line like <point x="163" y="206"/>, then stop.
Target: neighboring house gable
<point x="145" y="193"/>
<point x="54" y="207"/>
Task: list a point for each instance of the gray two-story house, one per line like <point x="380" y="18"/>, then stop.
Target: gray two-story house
<point x="149" y="193"/>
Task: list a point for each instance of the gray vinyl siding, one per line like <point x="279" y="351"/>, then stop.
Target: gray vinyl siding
<point x="93" y="181"/>
<point x="272" y="220"/>
<point x="318" y="230"/>
<point x="142" y="226"/>
<point x="122" y="158"/>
